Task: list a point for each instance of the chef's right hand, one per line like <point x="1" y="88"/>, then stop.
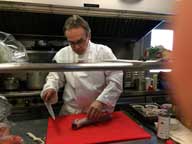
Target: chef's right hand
<point x="50" y="96"/>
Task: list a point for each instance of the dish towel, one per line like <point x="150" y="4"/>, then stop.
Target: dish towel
<point x="181" y="134"/>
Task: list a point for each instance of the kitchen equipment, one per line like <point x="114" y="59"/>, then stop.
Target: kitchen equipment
<point x="11" y="50"/>
<point x="120" y="128"/>
<point x="133" y="80"/>
<point x="5" y="108"/>
<point x="50" y="110"/>
<point x="36" y="80"/>
<point x="147" y="112"/>
<point x="11" y="83"/>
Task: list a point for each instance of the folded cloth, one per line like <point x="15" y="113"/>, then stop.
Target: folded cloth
<point x="181" y="134"/>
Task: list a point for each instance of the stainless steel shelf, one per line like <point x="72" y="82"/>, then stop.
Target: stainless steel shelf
<point x="21" y="93"/>
<point x="18" y="67"/>
<point x="136" y="93"/>
<point x="100" y="66"/>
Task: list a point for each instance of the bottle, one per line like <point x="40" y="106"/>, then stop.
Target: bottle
<point x="155" y="81"/>
<point x="127" y="80"/>
<point x="147" y="83"/>
<point x="163" y="125"/>
<point x="151" y="88"/>
<point x="141" y="83"/>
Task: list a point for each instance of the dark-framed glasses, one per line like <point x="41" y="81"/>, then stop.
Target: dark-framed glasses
<point x="78" y="42"/>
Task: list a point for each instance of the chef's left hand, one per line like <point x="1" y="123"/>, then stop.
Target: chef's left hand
<point x="95" y="110"/>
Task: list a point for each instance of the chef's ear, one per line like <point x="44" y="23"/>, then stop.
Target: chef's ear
<point x="89" y="36"/>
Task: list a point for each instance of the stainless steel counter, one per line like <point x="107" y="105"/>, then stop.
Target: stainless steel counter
<point x="29" y="105"/>
<point x="126" y="93"/>
<point x="37" y="127"/>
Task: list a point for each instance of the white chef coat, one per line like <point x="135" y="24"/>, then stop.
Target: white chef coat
<point x="82" y="88"/>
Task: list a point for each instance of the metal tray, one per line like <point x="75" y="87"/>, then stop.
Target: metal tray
<point x="139" y="112"/>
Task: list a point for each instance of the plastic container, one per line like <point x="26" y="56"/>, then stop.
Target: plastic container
<point x="163" y="125"/>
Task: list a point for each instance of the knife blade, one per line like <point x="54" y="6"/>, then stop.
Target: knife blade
<point x="50" y="110"/>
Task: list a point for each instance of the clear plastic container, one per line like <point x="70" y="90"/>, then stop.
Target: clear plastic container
<point x="11" y="50"/>
<point x="5" y="126"/>
<point x="163" y="125"/>
<point x="5" y="108"/>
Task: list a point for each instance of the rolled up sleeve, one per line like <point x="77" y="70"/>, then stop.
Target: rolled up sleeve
<point x="54" y="80"/>
<point x="113" y="89"/>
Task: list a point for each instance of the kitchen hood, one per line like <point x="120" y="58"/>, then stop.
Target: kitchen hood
<point x="24" y="19"/>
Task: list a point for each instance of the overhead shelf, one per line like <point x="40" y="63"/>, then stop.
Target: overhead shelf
<point x="9" y="94"/>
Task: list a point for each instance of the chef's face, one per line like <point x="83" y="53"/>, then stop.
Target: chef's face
<point x="78" y="39"/>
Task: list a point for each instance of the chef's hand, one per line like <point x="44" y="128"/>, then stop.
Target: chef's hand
<point x="95" y="110"/>
<point x="50" y="96"/>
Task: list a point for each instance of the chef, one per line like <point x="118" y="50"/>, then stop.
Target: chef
<point x="91" y="92"/>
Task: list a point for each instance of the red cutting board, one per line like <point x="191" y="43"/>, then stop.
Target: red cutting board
<point x="120" y="128"/>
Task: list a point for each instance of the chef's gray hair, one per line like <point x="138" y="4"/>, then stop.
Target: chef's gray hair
<point x="76" y="21"/>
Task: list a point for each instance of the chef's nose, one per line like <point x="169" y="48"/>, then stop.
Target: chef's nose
<point x="76" y="46"/>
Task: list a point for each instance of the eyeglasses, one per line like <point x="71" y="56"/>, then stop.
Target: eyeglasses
<point x="78" y="42"/>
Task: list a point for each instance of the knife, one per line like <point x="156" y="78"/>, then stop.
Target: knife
<point x="50" y="110"/>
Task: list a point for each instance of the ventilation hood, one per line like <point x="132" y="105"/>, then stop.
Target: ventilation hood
<point x="24" y="19"/>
